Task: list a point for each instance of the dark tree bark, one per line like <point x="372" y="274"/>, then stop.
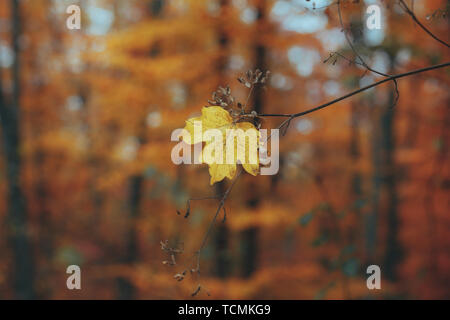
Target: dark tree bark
<point x="384" y="193"/>
<point x="356" y="190"/>
<point x="393" y="250"/>
<point x="221" y="239"/>
<point x="126" y="289"/>
<point x="221" y="243"/>
<point x="18" y="229"/>
<point x="249" y="236"/>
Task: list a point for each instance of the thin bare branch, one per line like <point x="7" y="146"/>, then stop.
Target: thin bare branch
<point x="414" y="17"/>
<point x="188" y="204"/>
<point x="348" y="95"/>
<point x="361" y="60"/>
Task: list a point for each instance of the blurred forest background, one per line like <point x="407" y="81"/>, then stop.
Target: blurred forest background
<point x="85" y="170"/>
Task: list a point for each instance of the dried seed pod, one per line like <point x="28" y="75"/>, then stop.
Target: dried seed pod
<point x="196" y="291"/>
<point x="179" y="277"/>
<point x="222" y="97"/>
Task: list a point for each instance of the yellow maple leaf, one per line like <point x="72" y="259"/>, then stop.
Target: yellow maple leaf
<point x="215" y="127"/>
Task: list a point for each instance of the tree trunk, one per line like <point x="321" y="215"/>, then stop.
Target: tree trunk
<point x="126" y="290"/>
<point x="221" y="239"/>
<point x="249" y="236"/>
<point x="125" y="287"/>
<point x="18" y="229"/>
<point x="393" y="250"/>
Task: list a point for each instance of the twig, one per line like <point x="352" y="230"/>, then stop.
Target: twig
<point x="413" y="16"/>
<point x="221" y="204"/>
<point x="348" y="95"/>
<point x="362" y="62"/>
<point x="188" y="204"/>
<point x="197" y="254"/>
